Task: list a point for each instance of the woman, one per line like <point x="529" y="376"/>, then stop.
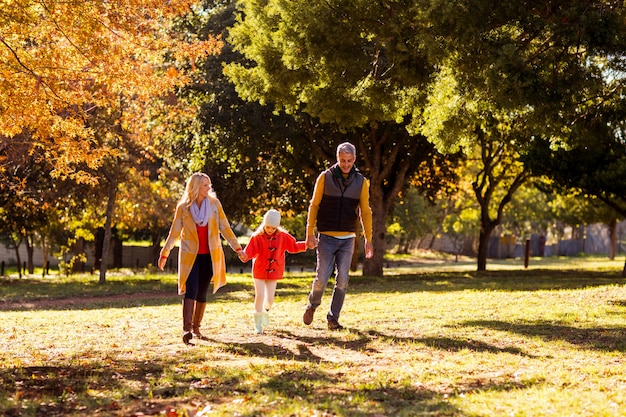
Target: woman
<point x="198" y="222"/>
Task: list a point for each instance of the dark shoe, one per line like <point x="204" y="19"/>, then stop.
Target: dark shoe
<point x="199" y="335"/>
<point x="187" y="336"/>
<point x="334" y="325"/>
<point x="307" y="318"/>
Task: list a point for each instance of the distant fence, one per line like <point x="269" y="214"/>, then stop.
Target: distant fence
<point x="132" y="256"/>
<point x="139" y="257"/>
<point x="596" y="242"/>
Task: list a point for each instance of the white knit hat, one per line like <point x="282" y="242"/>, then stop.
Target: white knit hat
<point x="272" y="218"/>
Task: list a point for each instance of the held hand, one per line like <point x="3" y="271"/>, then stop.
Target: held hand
<point x="369" y="250"/>
<point x="242" y="256"/>
<point x="311" y="242"/>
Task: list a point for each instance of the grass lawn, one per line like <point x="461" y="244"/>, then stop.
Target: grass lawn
<point x="430" y="338"/>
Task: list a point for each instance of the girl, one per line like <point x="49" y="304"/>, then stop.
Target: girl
<point x="267" y="249"/>
<point x="198" y="222"/>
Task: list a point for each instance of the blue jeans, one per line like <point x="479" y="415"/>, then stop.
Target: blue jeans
<point x="331" y="253"/>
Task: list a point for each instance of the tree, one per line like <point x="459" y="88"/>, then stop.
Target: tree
<point x="520" y="72"/>
<point x="358" y="67"/>
<point x="32" y="202"/>
<point x="84" y="81"/>
<point x="146" y="204"/>
<point x="61" y="60"/>
<point x="489" y="138"/>
<point x="593" y="164"/>
<point x="257" y="158"/>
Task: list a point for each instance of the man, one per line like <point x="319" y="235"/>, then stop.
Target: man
<point x="340" y="202"/>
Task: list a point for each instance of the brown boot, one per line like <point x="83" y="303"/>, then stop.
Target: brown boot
<point x="188" y="305"/>
<point x="198" y="313"/>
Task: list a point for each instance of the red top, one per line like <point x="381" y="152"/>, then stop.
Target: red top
<point x="268" y="253"/>
<point x="203" y="239"/>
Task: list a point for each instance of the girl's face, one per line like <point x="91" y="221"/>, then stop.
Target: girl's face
<point x="270" y="230"/>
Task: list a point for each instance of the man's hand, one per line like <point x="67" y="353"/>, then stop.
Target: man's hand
<point x="369" y="250"/>
<point x="311" y="242"/>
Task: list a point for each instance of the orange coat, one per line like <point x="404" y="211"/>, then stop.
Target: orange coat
<point x="183" y="229"/>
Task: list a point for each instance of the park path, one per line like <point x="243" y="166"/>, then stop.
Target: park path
<point x="78" y="301"/>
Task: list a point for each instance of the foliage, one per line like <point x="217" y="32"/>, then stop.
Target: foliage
<point x="360" y="68"/>
<point x="61" y="60"/>
<point x="592" y="164"/>
<point x="516" y="73"/>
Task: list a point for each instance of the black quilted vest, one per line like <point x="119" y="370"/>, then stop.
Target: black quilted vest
<point x="338" y="210"/>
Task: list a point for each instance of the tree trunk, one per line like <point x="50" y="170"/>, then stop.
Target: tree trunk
<point x="155" y="249"/>
<point x="486" y="228"/>
<point x="97" y="249"/>
<point x="374" y="266"/>
<point x="30" y="249"/>
<point x="17" y="244"/>
<point x="44" y="250"/>
<point x="613" y="238"/>
<point x="106" y="244"/>
<point x="77" y="250"/>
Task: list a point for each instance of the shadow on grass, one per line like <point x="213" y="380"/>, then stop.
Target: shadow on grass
<point x="141" y="388"/>
<point x="608" y="339"/>
<point x="83" y="389"/>
<point x="523" y="280"/>
<point x="113" y="386"/>
<point x="25" y="294"/>
<point x="362" y="344"/>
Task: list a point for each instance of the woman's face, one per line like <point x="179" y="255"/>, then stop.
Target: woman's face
<point x="205" y="187"/>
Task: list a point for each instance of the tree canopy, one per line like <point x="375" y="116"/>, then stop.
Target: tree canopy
<point x="61" y="60"/>
<point x="358" y="67"/>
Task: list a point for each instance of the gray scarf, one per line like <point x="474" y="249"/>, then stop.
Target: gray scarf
<point x="200" y="214"/>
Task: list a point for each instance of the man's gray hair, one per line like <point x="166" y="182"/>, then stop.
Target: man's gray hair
<point x="346" y="147"/>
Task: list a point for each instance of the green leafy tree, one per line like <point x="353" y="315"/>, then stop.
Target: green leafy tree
<point x="517" y="72"/>
<point x="359" y="67"/>
<point x="146" y="205"/>
<point x="257" y="158"/>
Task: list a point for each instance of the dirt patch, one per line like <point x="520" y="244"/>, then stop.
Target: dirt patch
<point x="69" y="302"/>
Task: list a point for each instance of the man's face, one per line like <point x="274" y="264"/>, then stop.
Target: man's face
<point x="346" y="162"/>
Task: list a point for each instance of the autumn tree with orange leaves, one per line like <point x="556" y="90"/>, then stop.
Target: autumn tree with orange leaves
<point x="59" y="61"/>
<point x="81" y="80"/>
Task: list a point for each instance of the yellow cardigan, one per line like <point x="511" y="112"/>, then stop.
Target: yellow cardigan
<point x="183" y="229"/>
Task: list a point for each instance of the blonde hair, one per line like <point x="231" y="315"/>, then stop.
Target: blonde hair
<point x="192" y="188"/>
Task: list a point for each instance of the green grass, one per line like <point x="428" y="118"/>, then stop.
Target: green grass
<point x="430" y="338"/>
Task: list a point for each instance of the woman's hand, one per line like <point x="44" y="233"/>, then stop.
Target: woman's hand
<point x="161" y="262"/>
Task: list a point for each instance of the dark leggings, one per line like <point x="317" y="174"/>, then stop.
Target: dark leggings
<point x="199" y="278"/>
